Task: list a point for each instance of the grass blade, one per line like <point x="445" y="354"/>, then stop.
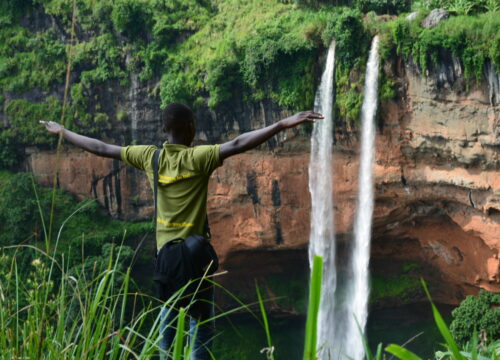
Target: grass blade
<point x="313" y="309"/>
<point x="368" y="353"/>
<point x="443" y="328"/>
<point x="378" y="355"/>
<point x="401" y="352"/>
<point x="474" y="344"/>
<point x="266" y="323"/>
<point x="179" y="335"/>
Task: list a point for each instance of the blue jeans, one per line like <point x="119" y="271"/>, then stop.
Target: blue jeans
<point x="203" y="334"/>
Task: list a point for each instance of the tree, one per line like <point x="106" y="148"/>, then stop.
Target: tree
<point x="480" y="313"/>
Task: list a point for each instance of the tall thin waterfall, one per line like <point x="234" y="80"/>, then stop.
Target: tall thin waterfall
<point x="132" y="95"/>
<point x="322" y="241"/>
<point x="358" y="288"/>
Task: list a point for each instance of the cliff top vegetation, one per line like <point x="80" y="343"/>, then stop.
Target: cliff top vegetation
<point x="211" y="53"/>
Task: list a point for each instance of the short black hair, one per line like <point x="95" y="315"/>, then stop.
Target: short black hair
<point x="177" y="118"/>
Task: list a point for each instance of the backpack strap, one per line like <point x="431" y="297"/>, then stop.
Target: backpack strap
<point x="208" y="234"/>
<point x="156" y="158"/>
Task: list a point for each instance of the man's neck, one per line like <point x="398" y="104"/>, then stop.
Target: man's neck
<point x="176" y="141"/>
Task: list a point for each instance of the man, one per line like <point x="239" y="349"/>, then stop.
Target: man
<point x="184" y="172"/>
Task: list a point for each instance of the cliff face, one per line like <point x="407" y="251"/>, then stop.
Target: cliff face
<point x="437" y="180"/>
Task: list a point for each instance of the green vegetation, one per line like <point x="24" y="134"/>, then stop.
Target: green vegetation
<point x="251" y="50"/>
<point x="473" y="39"/>
<point x="477" y="314"/>
<point x="212" y="53"/>
<point x="383" y="6"/>
<point x="289" y="292"/>
<point x="401" y="287"/>
<point x="48" y="312"/>
<point x="473" y="350"/>
<point x="90" y="310"/>
<point x="24" y="209"/>
<point x="76" y="288"/>
<point x="461" y="7"/>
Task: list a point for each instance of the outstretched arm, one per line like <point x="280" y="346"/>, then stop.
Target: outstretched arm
<point x="89" y="144"/>
<point x="254" y="138"/>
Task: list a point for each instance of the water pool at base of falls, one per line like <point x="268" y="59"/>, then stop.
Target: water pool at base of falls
<point x="241" y="337"/>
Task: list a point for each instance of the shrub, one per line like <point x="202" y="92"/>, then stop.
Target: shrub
<point x="105" y="57"/>
<point x="174" y="86"/>
<point x="386" y="89"/>
<point x="223" y="78"/>
<point x="121" y="115"/>
<point x="175" y="17"/>
<point x="353" y="42"/>
<point x="480" y="313"/>
<point x="29" y="60"/>
<point x="11" y="9"/>
<point x="23" y="118"/>
<point x="130" y="17"/>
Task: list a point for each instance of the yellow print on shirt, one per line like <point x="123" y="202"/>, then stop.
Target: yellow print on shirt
<point x="174" y="224"/>
<point x="171" y="179"/>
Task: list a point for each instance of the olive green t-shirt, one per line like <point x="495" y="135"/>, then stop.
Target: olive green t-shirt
<point x="183" y="175"/>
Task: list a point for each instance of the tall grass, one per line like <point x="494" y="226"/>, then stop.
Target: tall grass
<point x="51" y="310"/>
<point x="73" y="317"/>
<point x="59" y="313"/>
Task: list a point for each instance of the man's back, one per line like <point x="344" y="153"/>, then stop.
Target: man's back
<point x="183" y="175"/>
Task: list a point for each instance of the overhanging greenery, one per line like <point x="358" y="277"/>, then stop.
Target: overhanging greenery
<point x="210" y="54"/>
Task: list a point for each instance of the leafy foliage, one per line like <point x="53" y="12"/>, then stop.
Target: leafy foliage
<point x="473" y="350"/>
<point x="460" y="7"/>
<point x="212" y="54"/>
<point x="10" y="10"/>
<point x="348" y="94"/>
<point x="30" y="60"/>
<point x="24" y="128"/>
<point x="477" y="313"/>
<point x="131" y="18"/>
<point x="23" y="212"/>
<point x="401" y="286"/>
<point x="348" y="31"/>
<point x="251" y="50"/>
<point x="472" y="39"/>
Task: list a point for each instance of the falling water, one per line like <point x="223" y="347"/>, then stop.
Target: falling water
<point x="132" y="95"/>
<point x="322" y="240"/>
<point x="358" y="288"/>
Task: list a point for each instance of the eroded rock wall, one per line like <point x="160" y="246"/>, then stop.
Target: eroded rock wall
<point x="437" y="179"/>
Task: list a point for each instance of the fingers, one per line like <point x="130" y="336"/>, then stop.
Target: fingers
<point x="314" y="115"/>
<point x="48" y="123"/>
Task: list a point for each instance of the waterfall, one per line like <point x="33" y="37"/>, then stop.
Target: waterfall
<point x="321" y="240"/>
<point x="132" y="95"/>
<point x="358" y="288"/>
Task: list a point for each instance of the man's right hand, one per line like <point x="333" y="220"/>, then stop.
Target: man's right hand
<point x="52" y="127"/>
<point x="299" y="118"/>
